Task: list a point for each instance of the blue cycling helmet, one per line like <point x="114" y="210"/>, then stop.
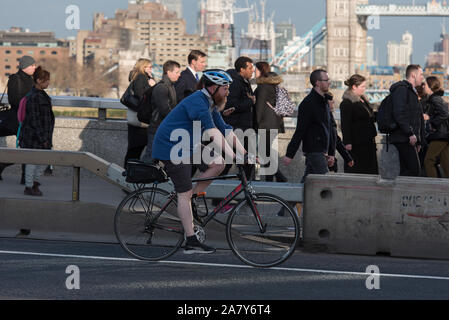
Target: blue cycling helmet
<point x="217" y="77"/>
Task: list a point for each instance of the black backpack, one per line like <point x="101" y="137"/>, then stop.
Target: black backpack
<point x="145" y="108"/>
<point x="385" y="119"/>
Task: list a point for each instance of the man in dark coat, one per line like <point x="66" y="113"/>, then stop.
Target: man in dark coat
<point x="241" y="102"/>
<point x="186" y="85"/>
<point x="163" y="100"/>
<point x="314" y="129"/>
<point x="19" y="84"/>
<point x="408" y="114"/>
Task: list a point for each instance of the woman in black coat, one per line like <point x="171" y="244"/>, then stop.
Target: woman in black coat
<point x="37" y="128"/>
<point x="358" y="127"/>
<point x="266" y="118"/>
<point x="438" y="138"/>
<point x="141" y="80"/>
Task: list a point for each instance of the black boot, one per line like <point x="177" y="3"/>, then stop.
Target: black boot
<point x="269" y="178"/>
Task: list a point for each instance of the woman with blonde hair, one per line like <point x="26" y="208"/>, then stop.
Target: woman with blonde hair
<point x="358" y="127"/>
<point x="141" y="79"/>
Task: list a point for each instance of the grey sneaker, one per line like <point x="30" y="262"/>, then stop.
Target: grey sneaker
<point x="193" y="246"/>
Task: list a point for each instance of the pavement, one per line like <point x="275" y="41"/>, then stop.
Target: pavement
<point x="94" y="190"/>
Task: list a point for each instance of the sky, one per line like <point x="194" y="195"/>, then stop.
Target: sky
<point x="50" y="15"/>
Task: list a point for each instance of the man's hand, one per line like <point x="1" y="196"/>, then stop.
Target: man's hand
<point x="286" y="161"/>
<point x="330" y="161"/>
<point x="348" y="147"/>
<point x="426" y="117"/>
<point x="413" y="140"/>
<point x="351" y="164"/>
<point x="253" y="98"/>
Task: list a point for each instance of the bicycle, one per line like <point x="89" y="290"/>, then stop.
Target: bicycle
<point x="262" y="230"/>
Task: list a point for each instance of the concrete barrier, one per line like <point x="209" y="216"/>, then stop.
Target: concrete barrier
<point x="358" y="214"/>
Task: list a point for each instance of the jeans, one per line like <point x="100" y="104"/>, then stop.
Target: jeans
<point x="316" y="163"/>
<point x="438" y="152"/>
<point x="33" y="174"/>
<point x="147" y="158"/>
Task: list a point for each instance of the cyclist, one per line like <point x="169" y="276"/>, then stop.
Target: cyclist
<point x="204" y="106"/>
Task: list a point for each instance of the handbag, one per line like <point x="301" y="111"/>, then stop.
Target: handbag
<point x="8" y="118"/>
<point x="284" y="106"/>
<point x="133" y="120"/>
<point x="129" y="99"/>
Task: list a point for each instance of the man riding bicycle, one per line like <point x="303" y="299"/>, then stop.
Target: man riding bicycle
<point x="203" y="107"/>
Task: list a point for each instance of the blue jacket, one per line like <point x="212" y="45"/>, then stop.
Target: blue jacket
<point x="197" y="107"/>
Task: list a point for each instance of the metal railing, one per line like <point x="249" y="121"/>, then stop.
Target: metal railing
<point x="104" y="104"/>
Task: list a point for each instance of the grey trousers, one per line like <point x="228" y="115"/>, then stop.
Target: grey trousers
<point x="316" y="163"/>
<point x="33" y="174"/>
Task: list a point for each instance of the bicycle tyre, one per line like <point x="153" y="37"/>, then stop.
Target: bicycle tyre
<point x="138" y="236"/>
<point x="263" y="249"/>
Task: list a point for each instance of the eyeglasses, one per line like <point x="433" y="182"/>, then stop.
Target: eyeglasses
<point x="325" y="80"/>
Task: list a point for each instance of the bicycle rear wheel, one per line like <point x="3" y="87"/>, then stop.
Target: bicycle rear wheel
<point x="144" y="230"/>
<point x="270" y="245"/>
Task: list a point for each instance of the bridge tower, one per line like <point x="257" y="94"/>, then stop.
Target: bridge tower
<point x="346" y="39"/>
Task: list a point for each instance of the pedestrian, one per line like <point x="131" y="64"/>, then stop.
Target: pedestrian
<point x="37" y="128"/>
<point x="340" y="147"/>
<point x="358" y="127"/>
<point x="438" y="115"/>
<point x="424" y="94"/>
<point x="19" y="84"/>
<point x="141" y="79"/>
<point x="163" y="100"/>
<point x="241" y="102"/>
<point x="408" y="115"/>
<point x="314" y="129"/>
<point x="266" y="117"/>
<point x="186" y="85"/>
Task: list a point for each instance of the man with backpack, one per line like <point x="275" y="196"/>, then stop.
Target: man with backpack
<point x="404" y="114"/>
<point x="19" y="85"/>
<point x="163" y="100"/>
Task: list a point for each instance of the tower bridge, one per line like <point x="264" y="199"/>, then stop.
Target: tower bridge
<point x="345" y="30"/>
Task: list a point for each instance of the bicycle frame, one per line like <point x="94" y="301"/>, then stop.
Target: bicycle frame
<point x="241" y="188"/>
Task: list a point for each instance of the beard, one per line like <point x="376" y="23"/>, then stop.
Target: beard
<point x="220" y="101"/>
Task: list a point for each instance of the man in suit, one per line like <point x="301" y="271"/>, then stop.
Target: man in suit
<point x="186" y="85"/>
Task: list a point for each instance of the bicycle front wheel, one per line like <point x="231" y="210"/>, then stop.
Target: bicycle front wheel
<point x="264" y="235"/>
<point x="147" y="225"/>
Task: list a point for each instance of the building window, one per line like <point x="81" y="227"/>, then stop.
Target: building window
<point x="19" y="52"/>
<point x="8" y="67"/>
<point x="54" y="53"/>
<point x="42" y="52"/>
<point x="8" y="52"/>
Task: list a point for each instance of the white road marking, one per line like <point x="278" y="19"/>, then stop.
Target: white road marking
<point x="220" y="265"/>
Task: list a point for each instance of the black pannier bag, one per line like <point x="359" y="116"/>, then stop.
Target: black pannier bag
<point x="139" y="172"/>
